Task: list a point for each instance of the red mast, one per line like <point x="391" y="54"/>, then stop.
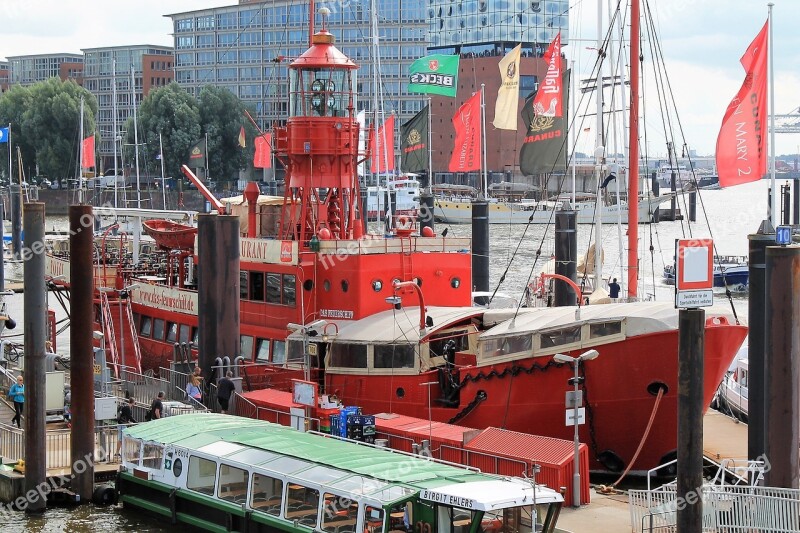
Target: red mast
<point x="319" y="145"/>
<point x="633" y="162"/>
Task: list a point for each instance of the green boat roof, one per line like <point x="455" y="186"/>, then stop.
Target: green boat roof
<point x="194" y="431"/>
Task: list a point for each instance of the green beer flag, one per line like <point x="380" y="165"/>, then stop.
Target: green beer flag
<point x="544" y="148"/>
<point x="414" y="143"/>
<point x="197" y="154"/>
<point x="435" y="74"/>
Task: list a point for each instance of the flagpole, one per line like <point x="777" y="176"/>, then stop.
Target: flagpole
<point x="114" y="127"/>
<point x="773" y="218"/>
<point x="208" y="156"/>
<point x="80" y="158"/>
<point x="136" y="139"/>
<point x="9" y="163"/>
<point x="599" y="153"/>
<point x="574" y="136"/>
<point x="430" y="152"/>
<point x="163" y="173"/>
<point x="483" y="144"/>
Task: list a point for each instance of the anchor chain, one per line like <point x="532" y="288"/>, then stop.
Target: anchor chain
<point x="479" y="397"/>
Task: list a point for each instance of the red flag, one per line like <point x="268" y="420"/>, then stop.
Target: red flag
<point x="242" y="141"/>
<point x="87" y="158"/>
<point x="263" y="155"/>
<point x="547" y="102"/>
<point x="742" y="140"/>
<point x="467" y="123"/>
<point x="379" y="162"/>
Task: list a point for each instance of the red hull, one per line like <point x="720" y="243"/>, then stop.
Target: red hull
<point x="616" y="390"/>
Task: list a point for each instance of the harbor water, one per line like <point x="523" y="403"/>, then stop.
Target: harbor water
<point x="731" y="214"/>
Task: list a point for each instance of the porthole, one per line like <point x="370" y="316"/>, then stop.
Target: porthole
<point x="455" y="282"/>
<point x="177" y="468"/>
<point x="326" y="285"/>
<point x="400" y="392"/>
<point x="345" y="285"/>
<point x="308" y="284"/>
<point x="377" y="285"/>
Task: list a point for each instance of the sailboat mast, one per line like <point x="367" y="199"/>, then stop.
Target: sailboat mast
<point x="163" y="173"/>
<point x="599" y="153"/>
<point x="80" y="156"/>
<point x="483" y="143"/>
<point x="633" y="158"/>
<point x="136" y="139"/>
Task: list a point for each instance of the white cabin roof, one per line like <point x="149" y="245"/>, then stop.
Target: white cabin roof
<point x="401" y="324"/>
<point x="494" y="494"/>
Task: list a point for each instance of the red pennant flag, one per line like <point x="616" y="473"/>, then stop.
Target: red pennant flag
<point x="547" y="102"/>
<point x="383" y="160"/>
<point x="467" y="123"/>
<point x="242" y="142"/>
<point x="87" y="158"/>
<point x="263" y="155"/>
<point x="742" y="140"/>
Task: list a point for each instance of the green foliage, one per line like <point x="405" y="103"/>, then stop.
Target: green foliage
<point x="222" y="116"/>
<point x="45" y="123"/>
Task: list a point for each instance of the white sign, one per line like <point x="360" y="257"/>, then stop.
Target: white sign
<point x="703" y="298"/>
<point x="581" y="416"/>
<point x="448" y="499"/>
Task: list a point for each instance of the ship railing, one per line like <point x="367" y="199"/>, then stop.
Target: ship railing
<point x="487" y="462"/>
<point x="241" y="406"/>
<point x="725" y="508"/>
<point x="143" y="388"/>
<point x="382" y="246"/>
<point x="178" y="380"/>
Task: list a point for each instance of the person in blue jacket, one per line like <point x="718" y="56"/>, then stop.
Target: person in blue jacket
<point x="17" y="394"/>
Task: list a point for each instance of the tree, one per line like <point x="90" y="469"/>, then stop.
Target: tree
<point x="222" y="117"/>
<point x="51" y="124"/>
<point x="13" y="104"/>
<point x="173" y="113"/>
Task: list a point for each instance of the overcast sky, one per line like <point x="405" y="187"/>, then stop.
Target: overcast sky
<point x="702" y="42"/>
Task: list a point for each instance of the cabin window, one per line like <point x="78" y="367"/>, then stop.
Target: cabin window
<point x="266" y="494"/>
<point x="172" y="332"/>
<point x="246" y="347"/>
<point x="493" y="347"/>
<point x="605" y="329"/>
<point x="560" y="337"/>
<point x="295" y="353"/>
<point x="289" y="290"/>
<point x="131" y="449"/>
<point x="232" y="484"/>
<point x="394" y="355"/>
<point x="278" y="352"/>
<point x="202" y="475"/>
<point x="262" y="350"/>
<point x="257" y="286"/>
<point x="153" y="456"/>
<point x="195" y="335"/>
<point x="438" y="342"/>
<point x="185" y="330"/>
<point x="373" y="519"/>
<point x="339" y="513"/>
<point x="244" y="286"/>
<point x="273" y="288"/>
<point x="158" y="329"/>
<point x="302" y="504"/>
<point x="146" y="328"/>
<point x="455" y="519"/>
<point x="349" y="355"/>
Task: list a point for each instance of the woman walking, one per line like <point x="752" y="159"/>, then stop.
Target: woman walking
<point x="17" y="395"/>
<point x="193" y="390"/>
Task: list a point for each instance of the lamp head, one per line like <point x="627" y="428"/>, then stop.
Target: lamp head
<point x="589" y="355"/>
<point x="564" y="358"/>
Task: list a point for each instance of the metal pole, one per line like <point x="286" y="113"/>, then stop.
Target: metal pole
<point x="480" y="244"/>
<point x="82" y="356"/>
<point x="576" y="475"/>
<point x="633" y="157"/>
<point x="691" y="341"/>
<point x="782" y="368"/>
<point x="758" y="242"/>
<point x="114" y="127"/>
<point x="136" y="140"/>
<point x="2" y="256"/>
<point x="566" y="249"/>
<point x="35" y="335"/>
<point x="771" y="83"/>
<point x="796" y="201"/>
<point x="16" y="218"/>
<point x="692" y="206"/>
<point x="786" y="194"/>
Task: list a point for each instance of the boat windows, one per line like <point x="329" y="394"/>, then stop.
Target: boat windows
<point x="266" y="494"/>
<point x="339" y="513"/>
<point x="146" y="327"/>
<point x="246" y="347"/>
<point x="185" y="330"/>
<point x="152" y="456"/>
<point x="172" y="332"/>
<point x="359" y="485"/>
<point x="195" y="335"/>
<point x="373" y="519"/>
<point x="497" y="346"/>
<point x="262" y="350"/>
<point x="158" y="329"/>
<point x="605" y="329"/>
<point x="232" y="484"/>
<point x="302" y="505"/>
<point x="202" y="475"/>
<point x="455" y="519"/>
<point x="273" y="288"/>
<point x="131" y="449"/>
<point x="560" y="337"/>
<point x="257" y="286"/>
<point x="244" y="285"/>
<point x="278" y="352"/>
<point x="460" y="341"/>
<point x="295" y="352"/>
<point x="289" y="290"/>
<point x="394" y="355"/>
<point x="349" y="355"/>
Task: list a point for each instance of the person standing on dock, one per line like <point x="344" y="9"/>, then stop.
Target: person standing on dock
<point x="156" y="408"/>
<point x="17" y="395"/>
<point x="613" y="289"/>
<point x="124" y="417"/>
<point x="225" y="388"/>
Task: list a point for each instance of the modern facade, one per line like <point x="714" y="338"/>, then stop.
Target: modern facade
<point x="247" y="48"/>
<point x="30" y="69"/>
<point x="134" y="71"/>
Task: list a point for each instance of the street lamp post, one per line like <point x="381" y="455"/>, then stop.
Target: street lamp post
<point x="576" y="404"/>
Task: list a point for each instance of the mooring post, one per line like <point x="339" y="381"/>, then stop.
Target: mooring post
<point x="35" y="314"/>
<point x="81" y="223"/>
<point x="691" y="337"/>
<point x="693" y="206"/>
<point x="207" y="311"/>
<point x="758" y="242"/>
<point x="566" y="250"/>
<point x="782" y="350"/>
<point x="426" y="210"/>
<point x="480" y="245"/>
<point x="228" y="281"/>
